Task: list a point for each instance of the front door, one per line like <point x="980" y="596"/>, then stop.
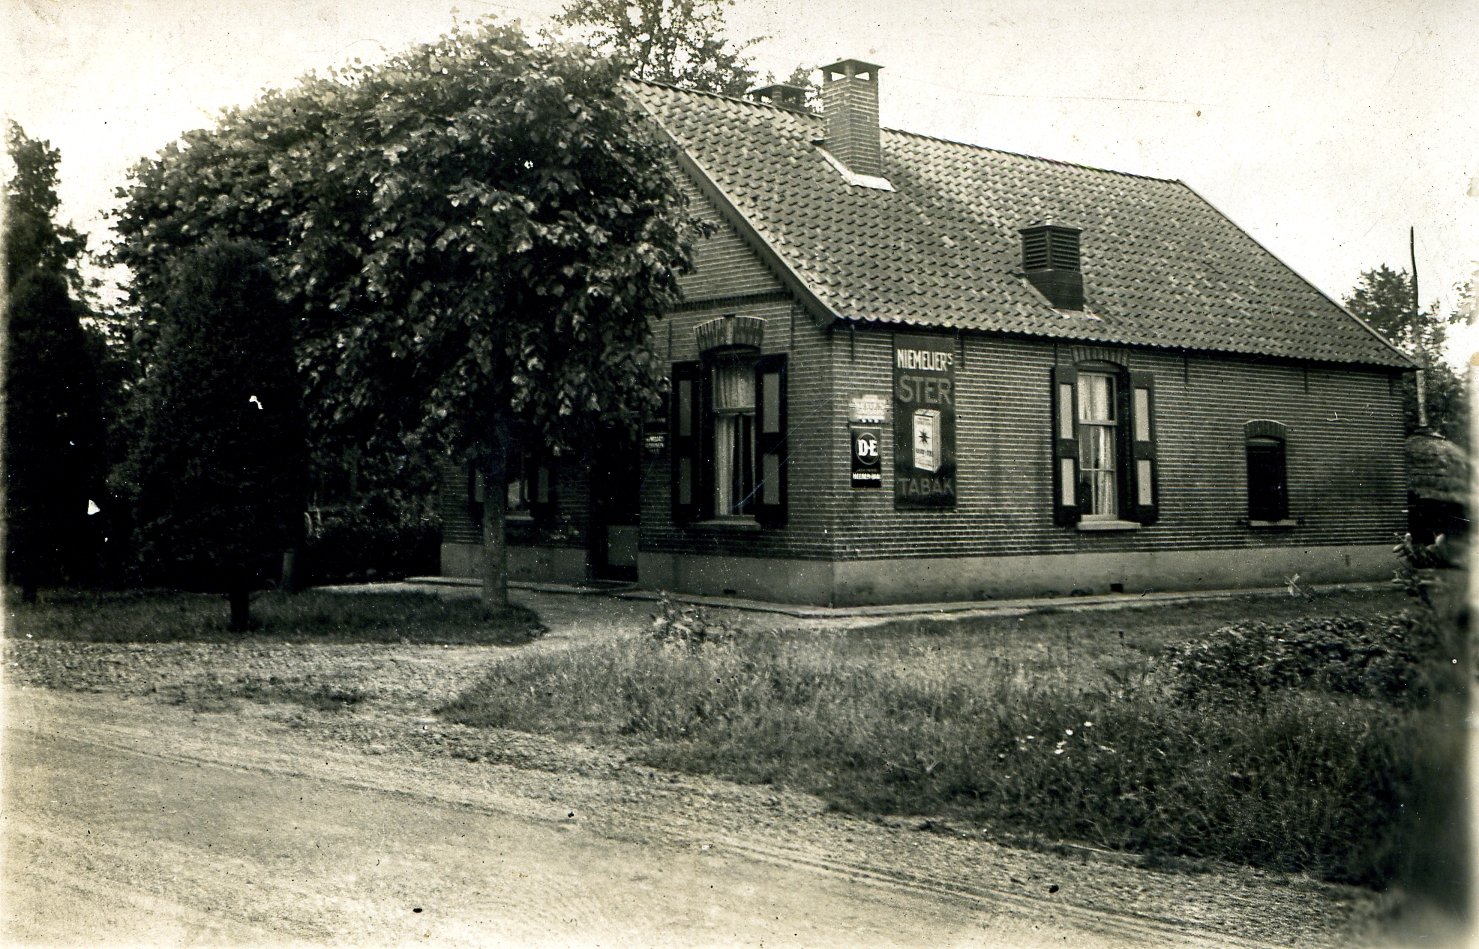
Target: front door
<point x="616" y="503"/>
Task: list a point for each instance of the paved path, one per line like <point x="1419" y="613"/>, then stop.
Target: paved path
<point x="130" y="823"/>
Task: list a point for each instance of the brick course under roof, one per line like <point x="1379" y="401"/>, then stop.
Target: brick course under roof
<point x="1161" y="266"/>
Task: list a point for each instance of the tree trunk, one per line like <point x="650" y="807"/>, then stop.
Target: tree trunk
<point x="495" y="546"/>
<point x="241" y="609"/>
<point x="288" y="581"/>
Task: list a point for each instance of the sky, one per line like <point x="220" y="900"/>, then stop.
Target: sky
<point x="1325" y="128"/>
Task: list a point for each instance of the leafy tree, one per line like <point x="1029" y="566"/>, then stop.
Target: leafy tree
<point x="219" y="464"/>
<point x="53" y="435"/>
<point x="678" y="42"/>
<point x="1384" y="298"/>
<point x="473" y="236"/>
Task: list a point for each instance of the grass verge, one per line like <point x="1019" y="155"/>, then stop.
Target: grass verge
<point x="312" y="616"/>
<point x="1072" y="726"/>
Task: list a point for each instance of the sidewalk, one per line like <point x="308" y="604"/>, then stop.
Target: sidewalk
<point x="958" y="609"/>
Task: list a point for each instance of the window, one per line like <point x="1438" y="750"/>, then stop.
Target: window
<point x="529" y="494"/>
<point x="1098" y="437"/>
<point x="1268" y="485"/>
<point x="1104" y="473"/>
<point x="728" y="424"/>
<point x="732" y="393"/>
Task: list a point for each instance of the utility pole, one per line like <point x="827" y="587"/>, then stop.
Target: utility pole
<point x="1422" y="401"/>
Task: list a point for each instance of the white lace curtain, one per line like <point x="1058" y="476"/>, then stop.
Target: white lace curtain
<point x="734" y="389"/>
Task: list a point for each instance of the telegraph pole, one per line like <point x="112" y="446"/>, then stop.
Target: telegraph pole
<point x="1422" y="401"/>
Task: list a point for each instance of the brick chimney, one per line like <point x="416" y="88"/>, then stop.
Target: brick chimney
<point x="850" y="106"/>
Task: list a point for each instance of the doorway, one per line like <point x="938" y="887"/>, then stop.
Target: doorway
<point x="616" y="506"/>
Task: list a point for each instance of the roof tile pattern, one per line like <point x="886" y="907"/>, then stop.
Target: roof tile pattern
<point x="1161" y="266"/>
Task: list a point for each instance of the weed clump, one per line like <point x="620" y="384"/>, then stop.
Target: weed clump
<point x="686" y="626"/>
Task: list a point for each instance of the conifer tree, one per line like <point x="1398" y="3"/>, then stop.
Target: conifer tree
<point x="53" y="435"/>
<point x="220" y="460"/>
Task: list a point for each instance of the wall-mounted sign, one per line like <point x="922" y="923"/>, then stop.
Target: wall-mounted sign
<point x="867" y="457"/>
<point x="924" y="422"/>
<point x="655" y="442"/>
<point x="868" y="408"/>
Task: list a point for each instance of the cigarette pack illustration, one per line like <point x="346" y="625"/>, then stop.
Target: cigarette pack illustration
<point x="927" y="439"/>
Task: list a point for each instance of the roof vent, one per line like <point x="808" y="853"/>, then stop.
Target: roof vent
<point x="850" y="105"/>
<point x="1050" y="260"/>
<point x="781" y="94"/>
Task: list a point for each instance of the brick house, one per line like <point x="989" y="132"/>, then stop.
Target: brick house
<point x="908" y="369"/>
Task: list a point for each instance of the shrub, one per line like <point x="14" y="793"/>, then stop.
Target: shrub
<point x="1386" y="657"/>
<point x="358" y="545"/>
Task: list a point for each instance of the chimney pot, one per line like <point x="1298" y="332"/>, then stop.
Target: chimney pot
<point x="850" y="107"/>
<point x="781" y="94"/>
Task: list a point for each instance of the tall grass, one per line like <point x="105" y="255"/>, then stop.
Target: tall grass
<point x="159" y="616"/>
<point x="1024" y="737"/>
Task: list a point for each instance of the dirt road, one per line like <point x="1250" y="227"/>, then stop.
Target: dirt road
<point x="120" y="828"/>
<point x="172" y="794"/>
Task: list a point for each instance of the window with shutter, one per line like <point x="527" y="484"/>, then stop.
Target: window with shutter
<point x="475" y="497"/>
<point x="1065" y="445"/>
<point x="538" y="485"/>
<point x="772" y="448"/>
<point x="684" y="419"/>
<point x="1105" y="473"/>
<point x="1143" y="472"/>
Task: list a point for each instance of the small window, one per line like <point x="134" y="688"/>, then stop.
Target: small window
<point x="1268" y="488"/>
<point x="528" y="494"/>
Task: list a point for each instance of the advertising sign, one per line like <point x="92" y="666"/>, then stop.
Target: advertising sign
<point x="924" y="422"/>
<point x="867" y="458"/>
<point x="868" y="408"/>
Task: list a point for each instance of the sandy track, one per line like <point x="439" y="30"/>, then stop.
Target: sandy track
<point x="641" y="850"/>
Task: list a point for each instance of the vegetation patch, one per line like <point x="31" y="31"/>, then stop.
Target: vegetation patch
<point x="1104" y="736"/>
<point x="313" y="616"/>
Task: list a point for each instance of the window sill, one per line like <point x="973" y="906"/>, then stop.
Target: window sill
<point x="1285" y="524"/>
<point x="742" y="524"/>
<point x="1108" y="525"/>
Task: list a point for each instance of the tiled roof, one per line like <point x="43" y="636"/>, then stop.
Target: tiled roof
<point x="1161" y="266"/>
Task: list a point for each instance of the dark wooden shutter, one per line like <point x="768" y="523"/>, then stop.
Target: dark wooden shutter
<point x="684" y="418"/>
<point x="475" y="494"/>
<point x="1065" y="445"/>
<point x="539" y="481"/>
<point x="1144" y="473"/>
<point x="771" y="447"/>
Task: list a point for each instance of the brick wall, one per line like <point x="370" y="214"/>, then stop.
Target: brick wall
<point x="1344" y="454"/>
<point x="724" y="265"/>
<point x="790" y="330"/>
<point x="572" y="510"/>
<point x="1344" y="451"/>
